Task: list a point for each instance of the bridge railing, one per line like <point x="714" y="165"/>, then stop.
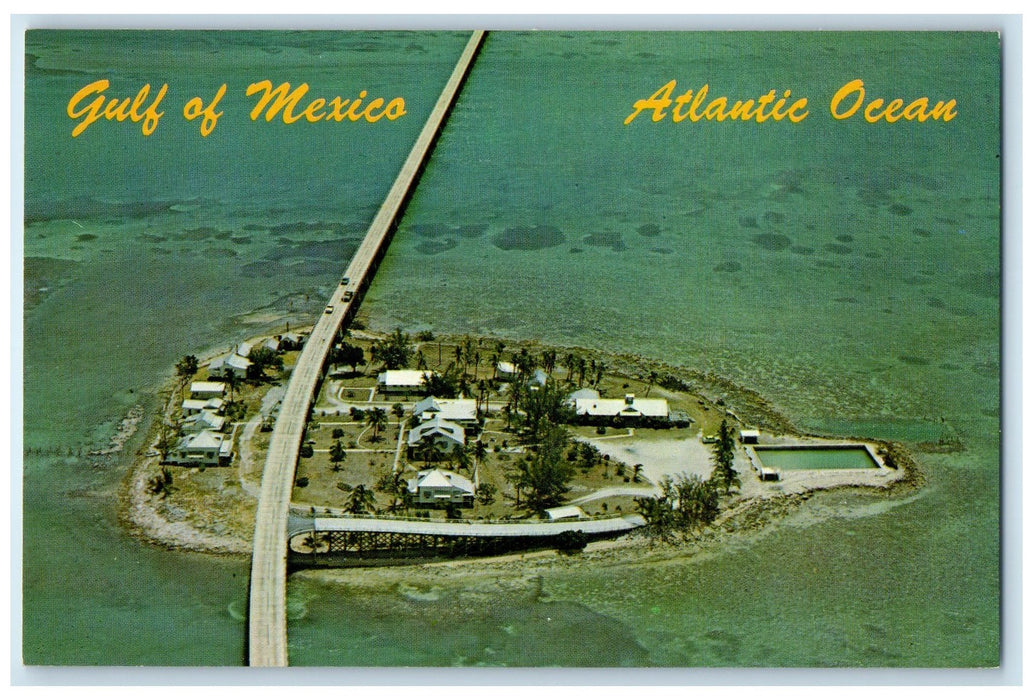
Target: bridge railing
<point x="298" y="516"/>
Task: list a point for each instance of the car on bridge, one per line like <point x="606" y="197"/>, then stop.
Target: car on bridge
<point x="329" y="309"/>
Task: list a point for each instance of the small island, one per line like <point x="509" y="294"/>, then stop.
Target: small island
<point x="475" y="431"/>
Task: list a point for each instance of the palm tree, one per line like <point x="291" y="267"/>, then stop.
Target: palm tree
<point x="376" y="418"/>
<point x="569" y="361"/>
<point x="429" y="451"/>
<point x="232" y="381"/>
<point x="482" y="390"/>
<point x="480" y="450"/>
<point x="461" y="457"/>
<point x="336" y="455"/>
<point x="652" y="378"/>
<point x="360" y="500"/>
<point x="549" y="361"/>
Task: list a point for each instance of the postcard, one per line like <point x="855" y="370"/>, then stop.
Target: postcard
<point x="506" y="348"/>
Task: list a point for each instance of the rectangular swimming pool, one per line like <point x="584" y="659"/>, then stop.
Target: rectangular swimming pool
<point x="807" y="457"/>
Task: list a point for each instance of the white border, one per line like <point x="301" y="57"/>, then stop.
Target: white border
<point x="1010" y="672"/>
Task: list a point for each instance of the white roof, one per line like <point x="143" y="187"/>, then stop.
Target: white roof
<point x="507" y="368"/>
<point x="244" y="349"/>
<point x="403" y="377"/>
<point x="271" y="343"/>
<point x="439" y="478"/>
<point x="628" y="406"/>
<point x="449" y="409"/>
<point x="749" y="433"/>
<point x="207" y="388"/>
<point x="206" y="418"/>
<point x="214" y="403"/>
<point x="234" y="361"/>
<point x="585" y="393"/>
<point x="565" y="512"/>
<point x="204" y="440"/>
<point x="438" y="426"/>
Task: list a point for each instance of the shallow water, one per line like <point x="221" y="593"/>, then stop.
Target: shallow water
<point x="848" y="272"/>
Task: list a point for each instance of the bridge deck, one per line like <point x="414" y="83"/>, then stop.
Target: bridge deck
<point x="267" y="612"/>
<point x="461" y="529"/>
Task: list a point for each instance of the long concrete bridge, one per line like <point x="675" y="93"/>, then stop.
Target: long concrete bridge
<point x="267" y="610"/>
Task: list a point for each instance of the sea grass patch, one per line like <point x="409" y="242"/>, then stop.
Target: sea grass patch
<point x="606" y="239"/>
<point x="434" y="247"/>
<point x="771" y="241"/>
<point x="529" y="238"/>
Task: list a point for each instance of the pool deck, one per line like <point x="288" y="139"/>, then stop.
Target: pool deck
<point x="800" y="480"/>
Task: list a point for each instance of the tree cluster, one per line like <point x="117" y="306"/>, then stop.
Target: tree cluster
<point x="543" y="476"/>
<point x="393" y="352"/>
<point x="685" y="503"/>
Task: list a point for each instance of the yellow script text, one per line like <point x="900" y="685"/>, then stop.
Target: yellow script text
<point x="696" y="107"/>
<point x="113" y="108"/>
<point x="287" y="103"/>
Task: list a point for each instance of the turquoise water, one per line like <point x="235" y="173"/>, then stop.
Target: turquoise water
<point x="815" y="458"/>
<point x="848" y="272"/>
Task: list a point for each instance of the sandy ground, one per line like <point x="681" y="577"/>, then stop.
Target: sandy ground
<point x="659" y="458"/>
<point x="152" y="518"/>
<point x="662" y="457"/>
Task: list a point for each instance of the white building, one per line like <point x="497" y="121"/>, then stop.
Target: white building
<point x="462" y="411"/>
<point x="505" y="371"/>
<point x="437" y="487"/>
<point x="207" y="390"/>
<point x="565" y="513"/>
<point x="538" y="379"/>
<point x="445" y="434"/>
<point x="272" y="344"/>
<point x="630" y="408"/>
<point x="749" y="437"/>
<point x="245" y="348"/>
<point x="226" y="365"/>
<point x="205" y="449"/>
<point x="585" y="393"/>
<point x="192" y="406"/>
<point x="402" y="381"/>
<point x="202" y="421"/>
<point x="291" y="341"/>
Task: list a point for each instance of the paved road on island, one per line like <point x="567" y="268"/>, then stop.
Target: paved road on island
<point x="267" y="610"/>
